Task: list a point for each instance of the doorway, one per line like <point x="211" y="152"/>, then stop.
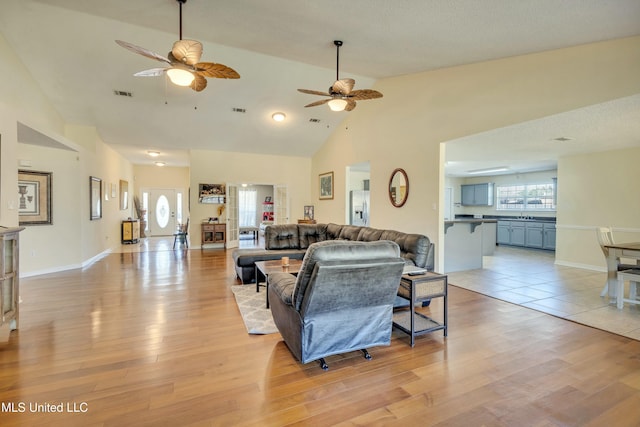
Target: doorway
<point x="161" y="211"/>
<point x="358" y="198"/>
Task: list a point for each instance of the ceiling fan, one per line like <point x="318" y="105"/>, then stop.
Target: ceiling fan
<point x="183" y="67"/>
<point x="342" y="96"/>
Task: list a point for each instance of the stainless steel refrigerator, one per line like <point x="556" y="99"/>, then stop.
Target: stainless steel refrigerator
<point x="359" y="207"/>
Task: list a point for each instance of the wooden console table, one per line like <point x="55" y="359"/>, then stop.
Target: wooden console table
<point x="214" y="233"/>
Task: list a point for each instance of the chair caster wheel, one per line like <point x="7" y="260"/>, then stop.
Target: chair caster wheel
<point x="323" y="365"/>
<point x="366" y="354"/>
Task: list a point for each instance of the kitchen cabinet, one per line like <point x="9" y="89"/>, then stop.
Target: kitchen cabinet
<point x="477" y="194"/>
<point x="549" y="237"/>
<point x="530" y="234"/>
<point x="535" y="231"/>
<point x="511" y="233"/>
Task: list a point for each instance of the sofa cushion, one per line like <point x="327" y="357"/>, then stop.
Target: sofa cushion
<point x="311" y="233"/>
<point x="349" y="232"/>
<point x="333" y="231"/>
<point x="414" y="248"/>
<point x="368" y="234"/>
<point x="283" y="236"/>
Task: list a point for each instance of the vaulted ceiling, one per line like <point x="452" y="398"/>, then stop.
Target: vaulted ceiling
<point x="278" y="46"/>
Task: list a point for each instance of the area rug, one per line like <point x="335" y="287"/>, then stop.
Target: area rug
<point x="256" y="316"/>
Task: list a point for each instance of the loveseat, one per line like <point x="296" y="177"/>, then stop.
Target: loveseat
<point x="292" y="240"/>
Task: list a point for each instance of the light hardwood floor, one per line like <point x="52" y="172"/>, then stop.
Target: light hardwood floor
<point x="154" y="338"/>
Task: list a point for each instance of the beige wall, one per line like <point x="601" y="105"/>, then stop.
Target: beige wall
<point x="219" y="167"/>
<point x="72" y="240"/>
<point x="595" y="190"/>
<point x="418" y="112"/>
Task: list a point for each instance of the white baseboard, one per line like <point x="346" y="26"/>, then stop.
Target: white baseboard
<point x="583" y="266"/>
<point x="60" y="268"/>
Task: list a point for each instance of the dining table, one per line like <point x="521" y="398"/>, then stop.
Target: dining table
<point x="617" y="251"/>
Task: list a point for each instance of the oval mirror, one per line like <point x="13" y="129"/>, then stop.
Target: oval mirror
<point x="398" y="187"/>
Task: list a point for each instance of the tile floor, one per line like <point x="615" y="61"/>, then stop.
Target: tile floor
<point x="521" y="276"/>
<point x="531" y="279"/>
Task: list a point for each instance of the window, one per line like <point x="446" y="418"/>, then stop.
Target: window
<point x="527" y="197"/>
<point x="247" y="206"/>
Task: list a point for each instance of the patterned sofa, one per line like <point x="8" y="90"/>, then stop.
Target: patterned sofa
<point x="292" y="240"/>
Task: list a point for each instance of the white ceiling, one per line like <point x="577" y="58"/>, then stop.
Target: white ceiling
<point x="281" y="45"/>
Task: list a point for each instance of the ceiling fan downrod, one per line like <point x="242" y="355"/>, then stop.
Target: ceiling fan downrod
<point x="181" y="3"/>
<point x="338" y="43"/>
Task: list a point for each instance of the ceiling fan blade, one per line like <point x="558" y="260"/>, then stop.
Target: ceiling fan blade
<point x="315" y="104"/>
<point x="153" y="72"/>
<point x="199" y="83"/>
<point x="363" y="94"/>
<point x="343" y="86"/>
<point x="351" y="104"/>
<point x="219" y="71"/>
<point x="314" y="92"/>
<point x="142" y="51"/>
<point x="187" y="51"/>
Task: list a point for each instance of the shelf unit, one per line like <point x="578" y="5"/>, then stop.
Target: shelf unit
<point x="9" y="281"/>
<point x="267" y="211"/>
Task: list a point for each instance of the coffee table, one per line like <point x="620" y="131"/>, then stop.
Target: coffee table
<point x="267" y="267"/>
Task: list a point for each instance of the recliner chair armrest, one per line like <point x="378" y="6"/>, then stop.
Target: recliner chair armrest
<point x="282" y="285"/>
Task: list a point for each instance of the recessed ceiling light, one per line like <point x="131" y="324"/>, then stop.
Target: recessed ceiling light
<point x="153" y="153"/>
<point x="160" y="163"/>
<point x="278" y="117"/>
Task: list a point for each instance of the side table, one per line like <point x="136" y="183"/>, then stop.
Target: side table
<point x="417" y="289"/>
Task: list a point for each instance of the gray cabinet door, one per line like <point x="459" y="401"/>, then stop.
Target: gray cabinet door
<point x="481" y="194"/>
<point x="468" y="195"/>
<point x="534" y="236"/>
<point x="518" y="235"/>
<point x="504" y="233"/>
<point x="549" y="241"/>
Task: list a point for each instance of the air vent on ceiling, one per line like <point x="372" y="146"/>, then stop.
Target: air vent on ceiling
<point x="122" y="93"/>
<point x="562" y="139"/>
<point x="312" y="120"/>
<point x="239" y="110"/>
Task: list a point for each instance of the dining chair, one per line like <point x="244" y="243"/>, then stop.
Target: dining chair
<point x="182" y="234"/>
<point x="605" y="237"/>
<point x="633" y="276"/>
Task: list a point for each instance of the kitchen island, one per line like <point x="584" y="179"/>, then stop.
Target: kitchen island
<point x="466" y="241"/>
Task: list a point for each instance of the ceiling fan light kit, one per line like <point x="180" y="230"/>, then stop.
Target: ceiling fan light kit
<point x="182" y="64"/>
<point x="337" y="104"/>
<point x="180" y="77"/>
<point x="341" y="95"/>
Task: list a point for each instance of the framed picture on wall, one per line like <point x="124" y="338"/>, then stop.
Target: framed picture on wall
<point x="124" y="195"/>
<point x="95" y="197"/>
<point x="308" y="212"/>
<point x="34" y="203"/>
<point x="326" y="186"/>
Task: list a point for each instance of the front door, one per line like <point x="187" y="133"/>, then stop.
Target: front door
<point x="162" y="212"/>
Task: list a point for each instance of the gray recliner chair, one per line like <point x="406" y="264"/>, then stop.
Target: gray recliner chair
<point x="341" y="301"/>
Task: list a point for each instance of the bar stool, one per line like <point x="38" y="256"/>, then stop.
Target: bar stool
<point x="633" y="276"/>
